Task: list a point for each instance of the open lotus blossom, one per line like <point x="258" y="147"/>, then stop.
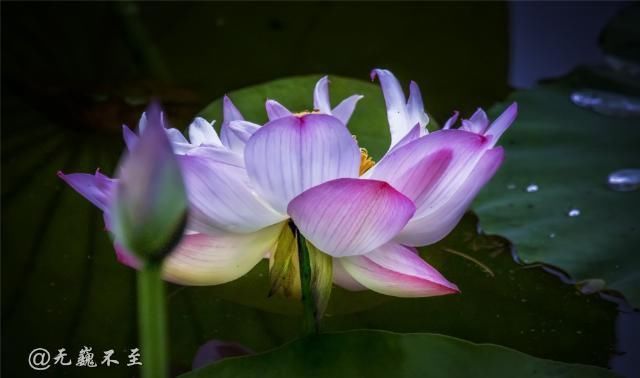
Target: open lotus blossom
<point x="306" y="170"/>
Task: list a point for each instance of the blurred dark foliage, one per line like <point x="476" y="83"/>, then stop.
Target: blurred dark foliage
<point x="87" y="64"/>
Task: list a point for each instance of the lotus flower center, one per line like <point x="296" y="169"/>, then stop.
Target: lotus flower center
<point x="366" y="162"/>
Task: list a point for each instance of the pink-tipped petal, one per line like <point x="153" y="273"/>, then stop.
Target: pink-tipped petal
<point x="292" y="154"/>
<point x="396" y="270"/>
<point x="202" y="132"/>
<point x="502" y="123"/>
<point x="96" y="188"/>
<point x="276" y="110"/>
<point x="220" y="198"/>
<point x="345" y="109"/>
<point x="443" y="210"/>
<point x="419" y="177"/>
<point x="347" y="217"/>
<point x="451" y="121"/>
<point x="415" y="107"/>
<point x="213" y="258"/>
<point x="321" y="96"/>
<point x="343" y="279"/>
<point x="407" y="163"/>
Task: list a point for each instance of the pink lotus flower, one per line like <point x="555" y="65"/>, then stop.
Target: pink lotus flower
<point x="245" y="186"/>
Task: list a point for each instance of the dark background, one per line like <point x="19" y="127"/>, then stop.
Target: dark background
<point x="72" y="73"/>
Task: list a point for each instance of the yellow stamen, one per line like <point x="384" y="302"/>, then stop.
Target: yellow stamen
<point x="366" y="162"/>
<point x="305" y="112"/>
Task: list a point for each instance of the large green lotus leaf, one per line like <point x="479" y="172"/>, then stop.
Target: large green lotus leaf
<point x="568" y="152"/>
<point x="385" y="354"/>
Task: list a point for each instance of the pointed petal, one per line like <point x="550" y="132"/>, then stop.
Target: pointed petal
<point x="399" y="123"/>
<point x="347" y="217"/>
<point x="276" y="110"/>
<point x="408" y="168"/>
<point x="345" y="109"/>
<point x="502" y="123"/>
<point x="96" y="188"/>
<point x="130" y="138"/>
<point x="214" y="258"/>
<point x="417" y="179"/>
<point x="478" y="122"/>
<point x="220" y="198"/>
<point x="415" y="107"/>
<point x="321" y="96"/>
<point x="230" y="114"/>
<point x="442" y="211"/>
<point x="179" y="143"/>
<point x="480" y="118"/>
<point x="238" y="133"/>
<point x="398" y="271"/>
<point x="412" y="135"/>
<point x="176" y="137"/>
<point x="451" y="121"/>
<point x="291" y="154"/>
<point x="142" y="123"/>
<point x="343" y="279"/>
<point x="202" y="132"/>
<point x="229" y="111"/>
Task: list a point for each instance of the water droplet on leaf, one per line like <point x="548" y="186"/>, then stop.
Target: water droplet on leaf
<point x="532" y="188"/>
<point x="573" y="212"/>
<point x="607" y="103"/>
<point x="624" y="180"/>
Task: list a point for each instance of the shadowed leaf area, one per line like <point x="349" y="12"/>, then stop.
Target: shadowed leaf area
<point x="385" y="354"/>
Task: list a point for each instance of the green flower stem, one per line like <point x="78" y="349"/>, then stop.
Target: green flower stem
<point x="309" y="309"/>
<point x="152" y="321"/>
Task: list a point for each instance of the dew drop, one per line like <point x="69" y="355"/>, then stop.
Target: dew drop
<point x="624" y="180"/>
<point x="511" y="186"/>
<point x="573" y="212"/>
<point x="532" y="188"/>
<point x="607" y="103"/>
<point x="552" y="235"/>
